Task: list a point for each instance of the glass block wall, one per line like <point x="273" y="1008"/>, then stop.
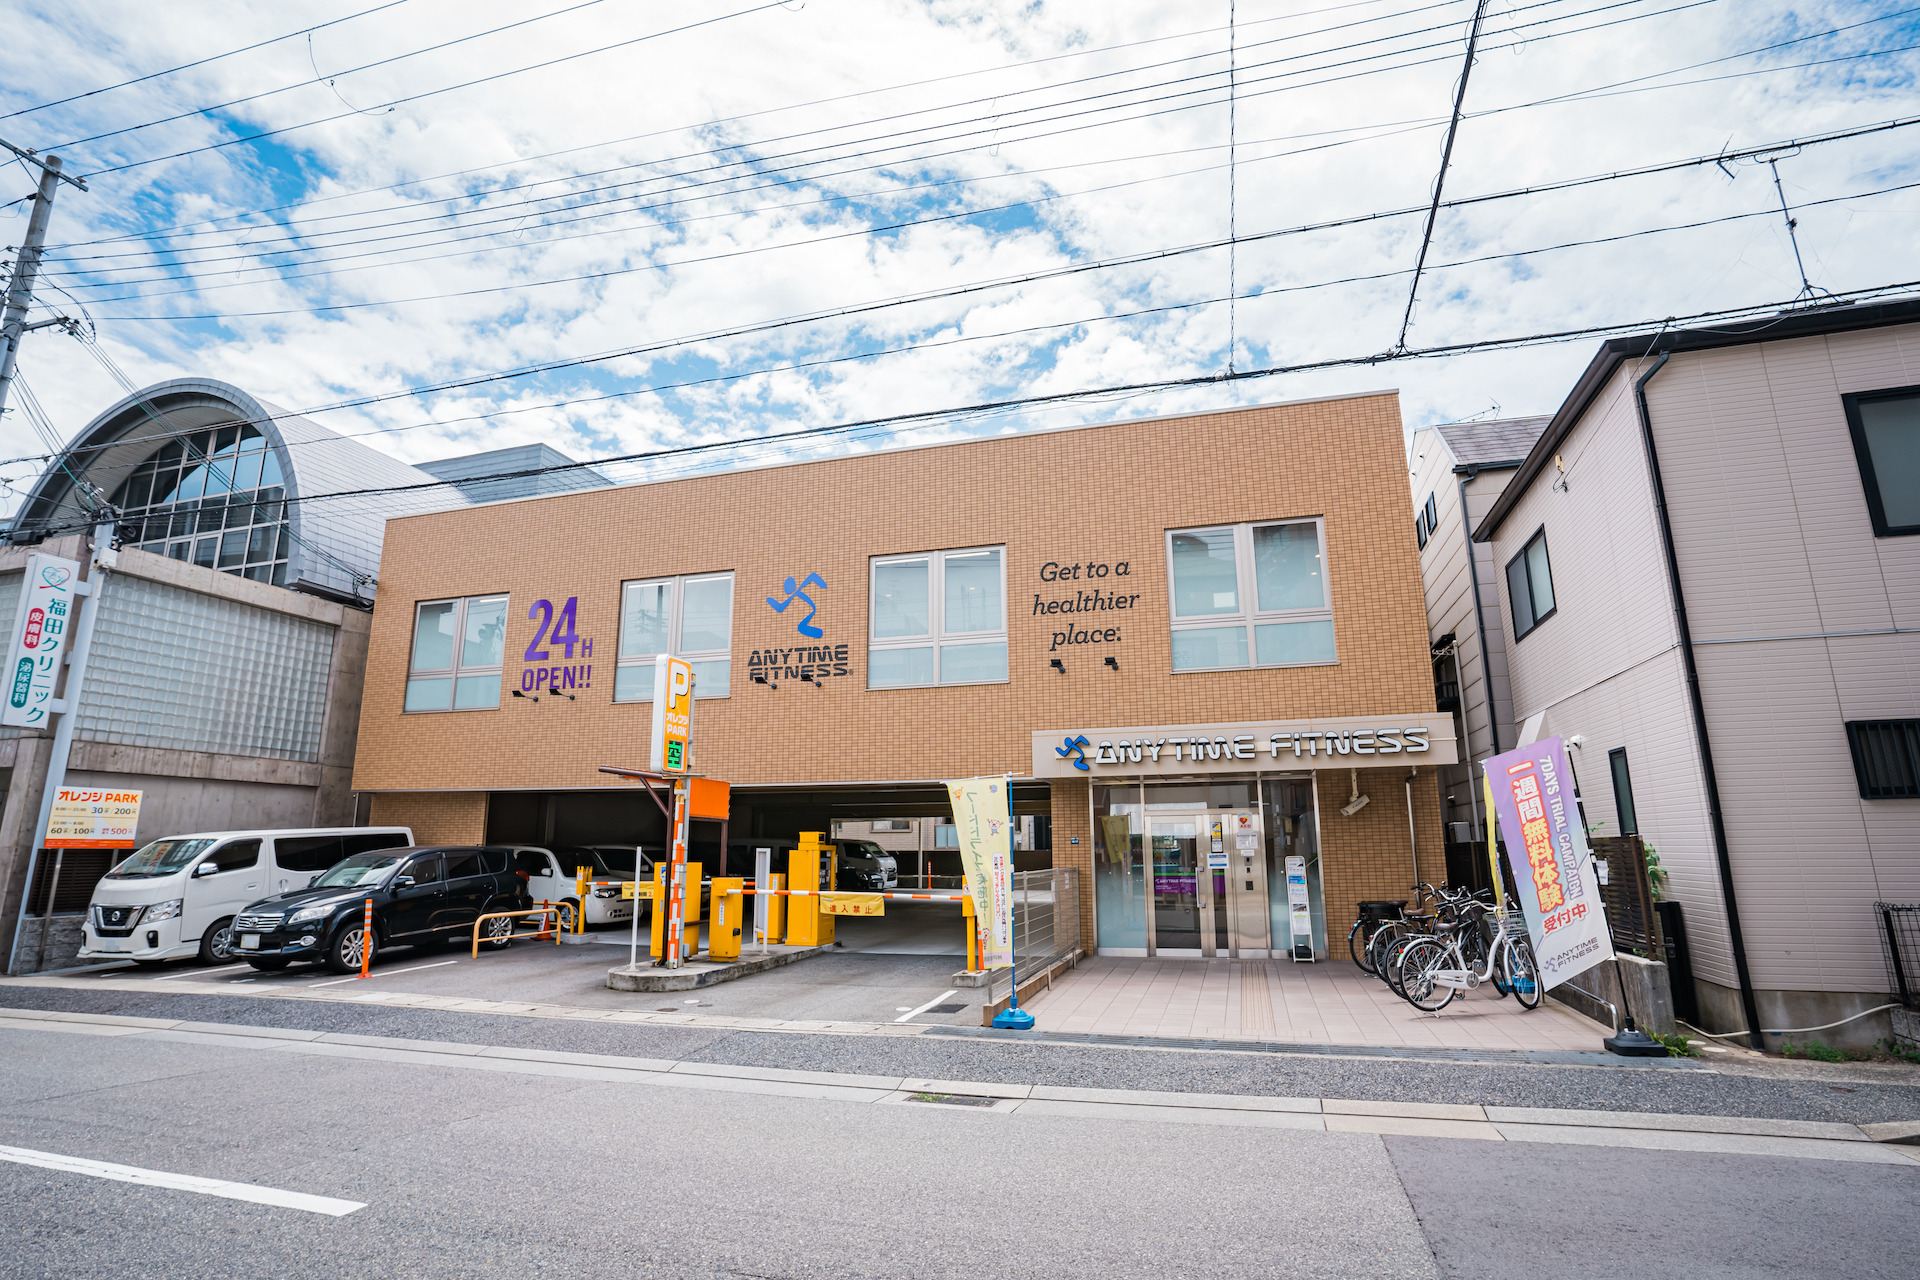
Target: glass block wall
<point x="176" y="669"/>
<point x="9" y="601"/>
<point x="212" y="497"/>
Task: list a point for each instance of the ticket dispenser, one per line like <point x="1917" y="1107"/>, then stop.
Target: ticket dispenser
<point x="1249" y="919"/>
<point x="690" y="930"/>
<point x="727" y="918"/>
<point x="811" y="870"/>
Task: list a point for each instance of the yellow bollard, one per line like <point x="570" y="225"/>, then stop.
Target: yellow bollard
<point x="807" y="925"/>
<point x="690" y="928"/>
<point x="723" y="934"/>
<point x="967" y="922"/>
<point x="777" y="909"/>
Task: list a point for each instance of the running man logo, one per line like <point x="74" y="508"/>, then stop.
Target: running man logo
<point x="798" y="592"/>
<point x="1077" y="748"/>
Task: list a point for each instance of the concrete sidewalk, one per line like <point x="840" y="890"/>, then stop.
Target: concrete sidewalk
<point x="1332" y="1003"/>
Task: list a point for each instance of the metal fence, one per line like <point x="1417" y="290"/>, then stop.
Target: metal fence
<point x="1046" y="925"/>
<point x="1900" y="943"/>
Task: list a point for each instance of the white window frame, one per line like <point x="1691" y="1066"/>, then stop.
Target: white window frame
<point x="891" y="824"/>
<point x="937" y="635"/>
<point x="455" y="673"/>
<point x="676" y="602"/>
<point x="1250" y="615"/>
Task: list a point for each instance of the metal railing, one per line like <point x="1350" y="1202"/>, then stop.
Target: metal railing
<point x="1046" y="926"/>
<point x="1900" y="944"/>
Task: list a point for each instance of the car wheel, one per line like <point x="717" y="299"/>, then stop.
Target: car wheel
<point x="345" y="953"/>
<point x="497" y="933"/>
<point x="270" y="964"/>
<point x="567" y="911"/>
<point x="216" y="944"/>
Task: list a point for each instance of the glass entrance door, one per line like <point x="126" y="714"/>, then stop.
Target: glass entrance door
<point x="1209" y="885"/>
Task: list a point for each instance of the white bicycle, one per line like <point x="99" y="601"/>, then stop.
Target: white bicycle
<point x="1435" y="970"/>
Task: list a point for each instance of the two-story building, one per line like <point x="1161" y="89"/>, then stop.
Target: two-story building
<point x="1709" y="576"/>
<point x="1185" y="639"/>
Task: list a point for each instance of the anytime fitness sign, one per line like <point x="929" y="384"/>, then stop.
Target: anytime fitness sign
<point x="1369" y="742"/>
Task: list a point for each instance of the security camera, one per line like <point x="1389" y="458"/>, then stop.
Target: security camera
<point x="1354" y="805"/>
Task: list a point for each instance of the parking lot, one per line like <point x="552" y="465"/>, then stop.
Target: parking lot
<point x="887" y="970"/>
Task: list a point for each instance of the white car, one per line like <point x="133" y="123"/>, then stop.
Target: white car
<point x="878" y="868"/>
<point x="551" y="877"/>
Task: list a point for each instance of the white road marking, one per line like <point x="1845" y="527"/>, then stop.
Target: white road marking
<point x="391" y="973"/>
<point x="183" y="1182"/>
<point x="928" y="1005"/>
<point x="196" y="973"/>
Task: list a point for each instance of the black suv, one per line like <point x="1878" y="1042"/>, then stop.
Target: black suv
<point x="421" y="897"/>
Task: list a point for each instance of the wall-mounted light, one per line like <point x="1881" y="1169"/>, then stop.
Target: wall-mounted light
<point x="1113" y="662"/>
<point x="760" y="678"/>
<point x="1059" y="666"/>
<point x="556" y="693"/>
<point x="528" y="697"/>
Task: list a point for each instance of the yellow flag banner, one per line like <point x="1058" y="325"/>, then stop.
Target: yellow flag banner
<point x="984" y="823"/>
<point x="1493" y="850"/>
<point x="853" y="904"/>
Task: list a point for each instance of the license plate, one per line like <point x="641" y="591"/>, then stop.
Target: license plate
<point x="110" y="946"/>
<point x="249" y="942"/>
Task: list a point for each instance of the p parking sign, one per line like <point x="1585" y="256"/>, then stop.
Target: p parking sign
<point x="672" y="714"/>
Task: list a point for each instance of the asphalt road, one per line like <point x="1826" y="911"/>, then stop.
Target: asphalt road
<point x="467" y="1173"/>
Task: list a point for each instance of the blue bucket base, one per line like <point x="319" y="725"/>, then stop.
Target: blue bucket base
<point x="1013" y="1020"/>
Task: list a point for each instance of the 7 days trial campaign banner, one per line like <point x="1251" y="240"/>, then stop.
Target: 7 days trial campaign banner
<point x="1547" y="853"/>
<point x="984" y="822"/>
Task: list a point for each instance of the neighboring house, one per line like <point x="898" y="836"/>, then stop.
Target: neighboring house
<point x="1458" y="471"/>
<point x="232" y="634"/>
<point x="1710" y="572"/>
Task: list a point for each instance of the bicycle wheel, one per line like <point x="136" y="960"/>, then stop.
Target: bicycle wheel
<point x="1392" y="960"/>
<point x="1418" y="965"/>
<point x="1359" y="943"/>
<point x="1522" y="975"/>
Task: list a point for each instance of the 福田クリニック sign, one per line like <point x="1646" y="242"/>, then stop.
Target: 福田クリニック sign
<point x="42" y="630"/>
<point x="83" y="819"/>
<point x="1547" y="853"/>
<point x="672" y="715"/>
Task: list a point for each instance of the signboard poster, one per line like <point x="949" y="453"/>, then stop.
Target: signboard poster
<point x="42" y="629"/>
<point x="672" y="715"/>
<point x="984" y="823"/>
<point x="83" y="819"/>
<point x="1299" y="909"/>
<point x="1547" y="853"/>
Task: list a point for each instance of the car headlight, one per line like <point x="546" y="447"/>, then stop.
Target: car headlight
<point x="613" y="892"/>
<point x="161" y="911"/>
<point x="309" y="913"/>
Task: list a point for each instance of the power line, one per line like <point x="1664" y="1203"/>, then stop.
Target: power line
<point x="1446" y="158"/>
<point x="188" y="66"/>
<point x="823" y="362"/>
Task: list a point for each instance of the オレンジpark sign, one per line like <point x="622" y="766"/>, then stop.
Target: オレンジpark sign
<point x="1266" y="746"/>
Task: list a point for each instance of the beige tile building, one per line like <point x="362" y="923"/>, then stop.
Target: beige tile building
<point x="1225" y="607"/>
<point x="1709" y="572"/>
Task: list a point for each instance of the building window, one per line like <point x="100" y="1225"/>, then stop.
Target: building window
<point x="939" y="618"/>
<point x="946" y="836"/>
<point x="1886" y="758"/>
<point x="1420" y="530"/>
<point x="1623" y="792"/>
<point x="1885" y="426"/>
<point x="689" y="617"/>
<point x="1250" y="595"/>
<point x="1432" y="512"/>
<point x="213" y="497"/>
<point x="1530" y="586"/>
<point x="458" y="649"/>
<point x="893" y="824"/>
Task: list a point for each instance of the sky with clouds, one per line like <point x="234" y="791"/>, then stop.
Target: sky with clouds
<point x="726" y="219"/>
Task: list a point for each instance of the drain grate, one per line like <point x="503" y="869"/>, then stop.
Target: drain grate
<point x="946" y="1008"/>
<point x="953" y="1099"/>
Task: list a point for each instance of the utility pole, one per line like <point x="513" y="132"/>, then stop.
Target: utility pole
<point x="26" y="264"/>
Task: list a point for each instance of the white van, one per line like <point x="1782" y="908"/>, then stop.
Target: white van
<point x="177" y="897"/>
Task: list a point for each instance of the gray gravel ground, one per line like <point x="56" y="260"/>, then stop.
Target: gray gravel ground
<point x="1797" y="1096"/>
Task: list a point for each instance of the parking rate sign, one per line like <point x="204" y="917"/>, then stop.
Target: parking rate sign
<point x="672" y="715"/>
<point x="42" y="630"/>
<point x="1547" y="853"/>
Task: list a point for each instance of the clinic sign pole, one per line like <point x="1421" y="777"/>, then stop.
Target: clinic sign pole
<point x="53" y="626"/>
<point x="670" y="753"/>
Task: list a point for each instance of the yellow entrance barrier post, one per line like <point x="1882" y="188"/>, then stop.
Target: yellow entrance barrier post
<point x="777" y="908"/>
<point x="807" y="925"/>
<point x="582" y="876"/>
<point x="723" y="934"/>
<point x="968" y="923"/>
<point x="690" y="934"/>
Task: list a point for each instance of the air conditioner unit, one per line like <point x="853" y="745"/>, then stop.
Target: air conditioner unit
<point x="1460" y="833"/>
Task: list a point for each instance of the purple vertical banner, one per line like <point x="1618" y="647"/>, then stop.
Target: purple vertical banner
<point x="1547" y="853"/>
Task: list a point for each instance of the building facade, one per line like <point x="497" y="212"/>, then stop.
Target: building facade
<point x="1150" y="626"/>
<point x="1458" y="471"/>
<point x="1709" y="577"/>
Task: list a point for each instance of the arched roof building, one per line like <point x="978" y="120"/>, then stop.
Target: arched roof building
<point x="201" y="471"/>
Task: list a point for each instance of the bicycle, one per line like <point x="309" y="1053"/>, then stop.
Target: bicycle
<point x="1435" y="970"/>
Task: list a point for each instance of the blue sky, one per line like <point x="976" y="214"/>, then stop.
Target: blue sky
<point x="682" y="193"/>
